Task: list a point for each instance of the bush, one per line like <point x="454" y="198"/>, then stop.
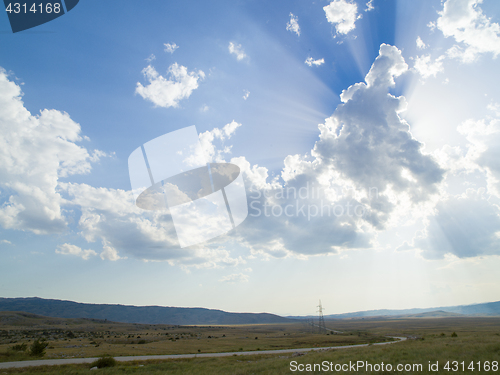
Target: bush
<point x="104" y="361"/>
<point x="454" y="334"/>
<point x="141" y="341"/>
<point x="37" y="349"/>
<point x="20" y="347"/>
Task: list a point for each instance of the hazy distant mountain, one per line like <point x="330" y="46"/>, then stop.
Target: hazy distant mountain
<point x="481" y="309"/>
<point x="134" y="314"/>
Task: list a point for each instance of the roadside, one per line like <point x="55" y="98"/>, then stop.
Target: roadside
<point x="72" y="361"/>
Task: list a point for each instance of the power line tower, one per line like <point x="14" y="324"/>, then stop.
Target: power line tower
<point x="321" y="325"/>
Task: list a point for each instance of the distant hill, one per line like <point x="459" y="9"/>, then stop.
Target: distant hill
<point x="433" y="314"/>
<point x="24" y="319"/>
<point x="480" y="309"/>
<point x="135" y="314"/>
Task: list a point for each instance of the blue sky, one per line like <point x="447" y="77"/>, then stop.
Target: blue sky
<point x="390" y="107"/>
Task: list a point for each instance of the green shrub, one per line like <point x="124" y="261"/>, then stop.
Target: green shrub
<point x="142" y="341"/>
<point x="20" y="347"/>
<point x="454" y="334"/>
<point x="37" y="349"/>
<point x="104" y="361"/>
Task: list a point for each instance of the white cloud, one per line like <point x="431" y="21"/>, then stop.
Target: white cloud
<point x="212" y="153"/>
<point x="343" y="14"/>
<point x="109" y="252"/>
<point x="495" y="107"/>
<point x="465" y="226"/>
<point x="235" y="278"/>
<point x="293" y="24"/>
<point x="35" y="151"/>
<point x="367" y="142"/>
<point x="369" y="6"/>
<point x="310" y="61"/>
<point x="246" y="94"/>
<point x="483" y="149"/>
<point x="68" y="249"/>
<point x="426" y="68"/>
<point x="465" y="22"/>
<point x="420" y="43"/>
<point x="111" y="217"/>
<point x="6" y="242"/>
<point x="237" y="50"/>
<point x="167" y="92"/>
<point x="388" y="65"/>
<point x="170" y="48"/>
<point x="365" y="160"/>
<point x="151" y="57"/>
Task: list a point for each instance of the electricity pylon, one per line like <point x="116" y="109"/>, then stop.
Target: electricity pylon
<point x="321" y="325"/>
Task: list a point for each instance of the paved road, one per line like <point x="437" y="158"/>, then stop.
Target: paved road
<point x="70" y="361"/>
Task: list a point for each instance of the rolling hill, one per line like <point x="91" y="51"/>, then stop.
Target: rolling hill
<point x="134" y="314"/>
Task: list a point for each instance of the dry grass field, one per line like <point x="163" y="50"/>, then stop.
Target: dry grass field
<point x="73" y="338"/>
<point x="430" y="340"/>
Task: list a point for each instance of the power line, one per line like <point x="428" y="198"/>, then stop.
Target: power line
<point x="321" y="325"/>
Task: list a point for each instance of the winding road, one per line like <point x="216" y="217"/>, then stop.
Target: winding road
<point x="71" y="361"/>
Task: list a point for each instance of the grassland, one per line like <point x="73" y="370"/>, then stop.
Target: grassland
<point x="74" y="338"/>
<point x="477" y="339"/>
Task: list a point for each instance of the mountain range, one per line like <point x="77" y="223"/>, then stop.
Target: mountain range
<point x="201" y="316"/>
<point x="135" y="314"/>
<point x="480" y="309"/>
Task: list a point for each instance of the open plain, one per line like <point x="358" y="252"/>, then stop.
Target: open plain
<point x="430" y="341"/>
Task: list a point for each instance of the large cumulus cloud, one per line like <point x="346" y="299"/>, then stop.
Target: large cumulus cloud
<point x="35" y="151"/>
<point x="365" y="159"/>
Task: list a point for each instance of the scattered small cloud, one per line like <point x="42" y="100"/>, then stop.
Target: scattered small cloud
<point x="474" y="32"/>
<point x="420" y="43"/>
<point x="426" y="67"/>
<point x="110" y="253"/>
<point x="235" y="278"/>
<point x="293" y="24"/>
<point x="167" y="92"/>
<point x="204" y="108"/>
<point x="495" y="107"/>
<point x="310" y="61"/>
<point x="207" y="139"/>
<point x="343" y="14"/>
<point x="151" y="57"/>
<point x="6" y="242"/>
<point x="170" y="48"/>
<point x="237" y="50"/>
<point x="369" y="6"/>
<point x="246" y="94"/>
<point x="68" y="249"/>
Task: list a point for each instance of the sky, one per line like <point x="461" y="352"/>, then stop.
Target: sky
<point x="367" y="134"/>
